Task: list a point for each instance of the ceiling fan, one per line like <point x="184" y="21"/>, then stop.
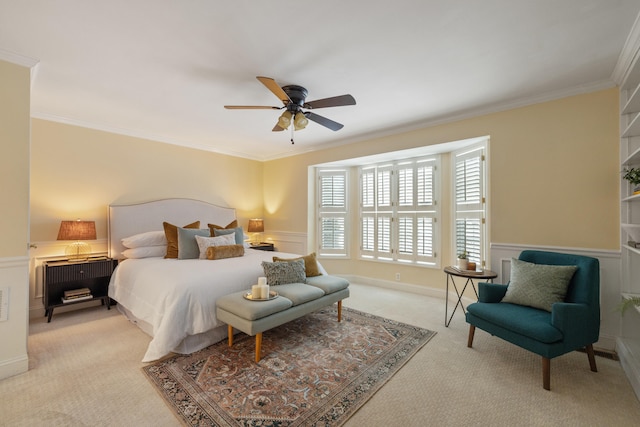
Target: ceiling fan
<point x="293" y="97"/>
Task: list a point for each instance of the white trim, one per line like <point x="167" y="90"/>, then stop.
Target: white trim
<point x="14" y="366"/>
<point x="18" y="59"/>
<point x="287" y="241"/>
<point x="628" y="54"/>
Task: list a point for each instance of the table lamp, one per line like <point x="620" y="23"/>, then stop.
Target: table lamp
<point x="256" y="226"/>
<point x="78" y="231"/>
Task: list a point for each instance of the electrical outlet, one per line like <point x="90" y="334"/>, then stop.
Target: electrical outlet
<point x="397" y="277"/>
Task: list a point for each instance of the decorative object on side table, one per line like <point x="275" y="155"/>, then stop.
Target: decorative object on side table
<point x="79" y="231"/>
<point x="627" y="302"/>
<point x="262" y="246"/>
<point x="462" y="262"/>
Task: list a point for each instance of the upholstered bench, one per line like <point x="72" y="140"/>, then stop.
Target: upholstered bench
<point x="294" y="300"/>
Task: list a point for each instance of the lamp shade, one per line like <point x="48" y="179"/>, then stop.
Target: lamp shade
<point x="77" y="230"/>
<point x="256" y="226"/>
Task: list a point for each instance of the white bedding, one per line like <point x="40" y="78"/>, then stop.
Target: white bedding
<point x="177" y="297"/>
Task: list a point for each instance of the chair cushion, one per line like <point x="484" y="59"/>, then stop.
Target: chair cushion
<point x="538" y="285"/>
<point x="329" y="284"/>
<point x="299" y="293"/>
<point x="527" y="321"/>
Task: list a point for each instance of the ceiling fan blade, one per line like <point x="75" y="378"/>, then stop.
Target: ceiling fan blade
<point x="277" y="128"/>
<point x="250" y="107"/>
<point x="328" y="123"/>
<point x="335" y="101"/>
<point x="275" y="88"/>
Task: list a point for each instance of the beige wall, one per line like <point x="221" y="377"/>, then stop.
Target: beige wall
<point x="554" y="177"/>
<point x="14" y="217"/>
<point x="77" y="172"/>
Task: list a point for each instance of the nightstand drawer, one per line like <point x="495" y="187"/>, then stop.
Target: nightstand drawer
<point x="81" y="271"/>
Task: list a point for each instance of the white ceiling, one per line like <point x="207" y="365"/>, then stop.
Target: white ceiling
<point x="163" y="69"/>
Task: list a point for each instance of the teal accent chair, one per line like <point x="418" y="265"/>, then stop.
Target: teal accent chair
<point x="571" y="325"/>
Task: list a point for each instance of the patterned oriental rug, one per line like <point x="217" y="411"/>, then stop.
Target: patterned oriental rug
<point x="314" y="371"/>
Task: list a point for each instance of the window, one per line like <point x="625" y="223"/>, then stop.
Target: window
<point x="332" y="212"/>
<point x="470" y="202"/>
<point x="398" y="211"/>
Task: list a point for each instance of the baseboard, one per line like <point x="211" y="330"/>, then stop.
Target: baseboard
<point x="14" y="366"/>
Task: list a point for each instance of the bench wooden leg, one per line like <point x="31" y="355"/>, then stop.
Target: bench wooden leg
<point x="258" y="346"/>
<point x="340" y="311"/>
<point x="230" y="332"/>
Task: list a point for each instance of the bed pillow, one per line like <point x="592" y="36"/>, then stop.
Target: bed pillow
<point x="239" y="234"/>
<point x="225" y="251"/>
<point x="205" y="242"/>
<point x="171" y="234"/>
<point x="232" y="224"/>
<point x="150" y="238"/>
<point x="281" y="273"/>
<point x="145" y="252"/>
<point x="187" y="245"/>
<point x="538" y="285"/>
<point x="310" y="264"/>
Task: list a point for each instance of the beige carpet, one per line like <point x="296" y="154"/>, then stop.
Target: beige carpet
<point x="86" y="371"/>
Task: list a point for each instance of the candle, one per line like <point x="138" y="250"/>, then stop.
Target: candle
<point x="256" y="292"/>
<point x="264" y="291"/>
<point x="262" y="280"/>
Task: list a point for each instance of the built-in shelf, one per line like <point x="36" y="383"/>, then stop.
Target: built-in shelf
<point x="634" y="127"/>
<point x="632" y="159"/>
<point x="633" y="105"/>
<point x="633" y="198"/>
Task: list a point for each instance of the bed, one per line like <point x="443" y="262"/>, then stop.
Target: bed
<point x="173" y="300"/>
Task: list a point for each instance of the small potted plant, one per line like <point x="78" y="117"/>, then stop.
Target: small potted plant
<point x="462" y="262"/>
<point x="629" y="302"/>
<point x="633" y="176"/>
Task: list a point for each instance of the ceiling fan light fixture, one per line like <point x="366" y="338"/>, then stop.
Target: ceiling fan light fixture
<point x="285" y="119"/>
<point x="300" y="122"/>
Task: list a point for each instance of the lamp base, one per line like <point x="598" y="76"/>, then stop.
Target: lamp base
<point x="78" y="251"/>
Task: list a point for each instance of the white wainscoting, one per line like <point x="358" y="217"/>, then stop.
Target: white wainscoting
<point x="610" y="319"/>
<point x="286" y="241"/>
<point x="14" y="330"/>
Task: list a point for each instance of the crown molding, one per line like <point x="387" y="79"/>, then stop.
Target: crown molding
<point x="628" y="55"/>
<point x="18" y="59"/>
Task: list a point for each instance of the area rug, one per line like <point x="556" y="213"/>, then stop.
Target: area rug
<point x="314" y="372"/>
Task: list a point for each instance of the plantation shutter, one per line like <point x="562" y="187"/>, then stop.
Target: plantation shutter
<point x="332" y="192"/>
<point x="470" y="204"/>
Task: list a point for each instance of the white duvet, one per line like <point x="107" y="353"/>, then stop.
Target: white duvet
<point x="178" y="297"/>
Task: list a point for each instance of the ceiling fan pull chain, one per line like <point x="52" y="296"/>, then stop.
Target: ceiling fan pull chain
<point x="292" y="135"/>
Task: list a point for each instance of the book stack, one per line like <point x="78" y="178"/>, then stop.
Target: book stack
<point x="74" y="295"/>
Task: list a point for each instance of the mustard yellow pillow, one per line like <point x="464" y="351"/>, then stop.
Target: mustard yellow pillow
<point x="226" y="251"/>
<point x="310" y="264"/>
<point x="171" y="233"/>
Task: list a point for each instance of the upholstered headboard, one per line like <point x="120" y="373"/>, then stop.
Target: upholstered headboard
<point x="127" y="220"/>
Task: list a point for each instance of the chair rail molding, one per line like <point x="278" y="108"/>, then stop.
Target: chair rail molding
<point x="611" y="320"/>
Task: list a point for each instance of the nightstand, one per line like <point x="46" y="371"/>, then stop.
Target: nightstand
<point x="262" y="246"/>
<point x="71" y="277"/>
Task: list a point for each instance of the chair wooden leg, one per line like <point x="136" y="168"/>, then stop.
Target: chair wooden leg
<point x="230" y="332"/>
<point x="546" y="373"/>
<point x="258" y="346"/>
<point x="472" y="331"/>
<point x="592" y="358"/>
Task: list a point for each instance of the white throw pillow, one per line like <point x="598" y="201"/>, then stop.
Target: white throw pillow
<point x="205" y="242"/>
<point x="150" y="238"/>
<point x="146" y="252"/>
